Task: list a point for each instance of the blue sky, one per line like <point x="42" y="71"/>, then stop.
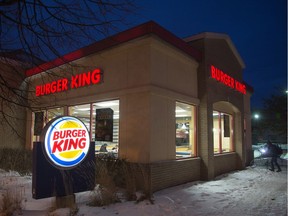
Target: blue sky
<point x="258" y="29"/>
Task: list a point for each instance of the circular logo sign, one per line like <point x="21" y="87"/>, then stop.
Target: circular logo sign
<point x="66" y="141"/>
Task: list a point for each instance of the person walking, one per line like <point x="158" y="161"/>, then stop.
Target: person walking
<point x="272" y="149"/>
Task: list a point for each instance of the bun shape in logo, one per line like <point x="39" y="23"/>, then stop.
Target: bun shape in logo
<point x="66" y="141"/>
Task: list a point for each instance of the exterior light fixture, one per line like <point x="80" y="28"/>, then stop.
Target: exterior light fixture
<point x="256" y="116"/>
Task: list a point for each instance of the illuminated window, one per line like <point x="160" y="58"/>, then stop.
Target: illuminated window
<point x="81" y="112"/>
<point x="112" y="144"/>
<point x="41" y="118"/>
<point x="185" y="130"/>
<point x="53" y="113"/>
<point x="222" y="132"/>
<point x="87" y="114"/>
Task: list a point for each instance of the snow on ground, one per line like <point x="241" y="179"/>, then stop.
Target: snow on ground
<point x="253" y="191"/>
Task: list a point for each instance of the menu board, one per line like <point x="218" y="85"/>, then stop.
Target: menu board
<point x="104" y="125"/>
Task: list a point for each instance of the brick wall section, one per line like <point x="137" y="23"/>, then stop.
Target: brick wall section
<point x="172" y="173"/>
<point x="225" y="163"/>
<point x="160" y="175"/>
<point x="164" y="174"/>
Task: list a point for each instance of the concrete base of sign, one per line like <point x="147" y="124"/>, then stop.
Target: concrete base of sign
<point x="66" y="201"/>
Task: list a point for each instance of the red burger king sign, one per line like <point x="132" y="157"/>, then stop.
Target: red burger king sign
<point x="66" y="142"/>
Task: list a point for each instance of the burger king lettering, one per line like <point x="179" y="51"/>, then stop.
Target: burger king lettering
<point x="68" y="133"/>
<point x="227" y="80"/>
<point x="79" y="80"/>
<point x="66" y="142"/>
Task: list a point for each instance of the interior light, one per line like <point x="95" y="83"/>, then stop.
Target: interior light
<point x="107" y="104"/>
<point x="84" y="109"/>
<point x="181" y="115"/>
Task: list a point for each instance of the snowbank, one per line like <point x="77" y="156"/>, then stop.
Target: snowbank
<point x="254" y="191"/>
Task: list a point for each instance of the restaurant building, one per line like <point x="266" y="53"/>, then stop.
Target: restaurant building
<point x="179" y="106"/>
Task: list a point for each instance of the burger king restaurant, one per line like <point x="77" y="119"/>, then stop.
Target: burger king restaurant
<point x="178" y="106"/>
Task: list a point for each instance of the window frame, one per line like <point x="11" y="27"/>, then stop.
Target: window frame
<point x="192" y="143"/>
<point x="221" y="132"/>
<point x="66" y="110"/>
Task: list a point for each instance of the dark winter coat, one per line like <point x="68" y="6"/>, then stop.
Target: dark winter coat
<point x="103" y="148"/>
<point x="272" y="150"/>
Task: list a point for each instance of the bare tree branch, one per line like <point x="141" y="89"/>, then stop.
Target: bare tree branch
<point x="47" y="29"/>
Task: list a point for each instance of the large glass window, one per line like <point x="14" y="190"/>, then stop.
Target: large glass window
<point x="112" y="146"/>
<point x="222" y="132"/>
<point x="41" y="118"/>
<point x="185" y="130"/>
<point x="53" y="113"/>
<point x="81" y="112"/>
<point x="87" y="114"/>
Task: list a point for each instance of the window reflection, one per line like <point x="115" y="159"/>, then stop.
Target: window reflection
<point x="87" y="114"/>
<point x="41" y="118"/>
<point x="222" y="132"/>
<point x="185" y="130"/>
<point x="112" y="147"/>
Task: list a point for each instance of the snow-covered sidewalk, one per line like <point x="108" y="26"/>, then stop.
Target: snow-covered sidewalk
<point x="254" y="191"/>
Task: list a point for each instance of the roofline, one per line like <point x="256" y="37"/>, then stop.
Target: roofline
<point x="249" y="87"/>
<point x="130" y="34"/>
<point x="213" y="35"/>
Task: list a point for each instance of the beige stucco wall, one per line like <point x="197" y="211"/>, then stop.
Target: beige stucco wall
<point x="148" y="76"/>
<point x="219" y="54"/>
<point x="219" y="51"/>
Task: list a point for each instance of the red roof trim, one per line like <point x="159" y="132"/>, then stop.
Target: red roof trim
<point x="133" y="33"/>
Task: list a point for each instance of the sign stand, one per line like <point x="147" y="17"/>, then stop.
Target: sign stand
<point x="66" y="201"/>
<point x="48" y="181"/>
<point x="63" y="161"/>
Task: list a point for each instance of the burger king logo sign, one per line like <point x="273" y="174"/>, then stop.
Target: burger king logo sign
<point x="66" y="141"/>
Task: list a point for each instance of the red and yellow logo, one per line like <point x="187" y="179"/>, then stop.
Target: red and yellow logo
<point x="67" y="141"/>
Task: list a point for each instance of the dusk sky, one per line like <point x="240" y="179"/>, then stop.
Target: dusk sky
<point x="258" y="29"/>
